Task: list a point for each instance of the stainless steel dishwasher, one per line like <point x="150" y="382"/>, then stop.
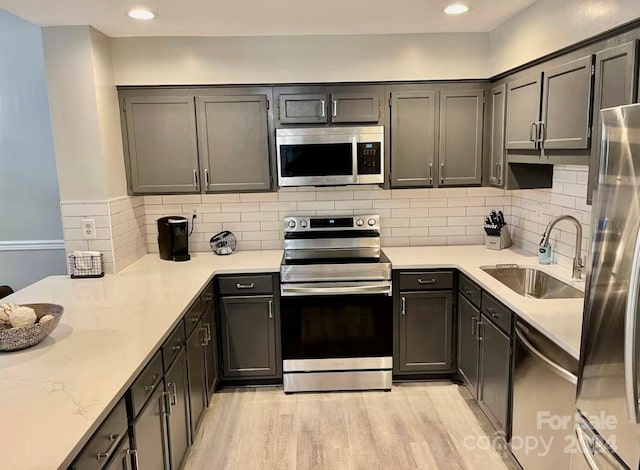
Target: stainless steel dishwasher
<point x="544" y="395"/>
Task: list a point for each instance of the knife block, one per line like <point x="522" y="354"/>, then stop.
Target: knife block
<point x="499" y="242"/>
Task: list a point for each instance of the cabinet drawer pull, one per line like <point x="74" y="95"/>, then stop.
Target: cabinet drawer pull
<point x="270" y="309"/>
<point x="428" y="281"/>
<point x="195" y="320"/>
<point x="404" y="306"/>
<point x="136" y="461"/>
<point x="176" y="348"/>
<point x="245" y="286"/>
<point x="114" y="442"/>
<point x="468" y="292"/>
<point x="149" y="388"/>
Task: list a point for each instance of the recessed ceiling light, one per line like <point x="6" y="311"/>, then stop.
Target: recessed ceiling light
<point x="456" y="9"/>
<point x="141" y="14"/>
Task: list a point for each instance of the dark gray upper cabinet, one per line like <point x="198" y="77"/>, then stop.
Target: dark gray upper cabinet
<point x="234" y="142"/>
<point x="177" y="388"/>
<point x="468" y="348"/>
<point x="162" y="144"/>
<point x="566" y="105"/>
<point x="461" y="124"/>
<point x="151" y="442"/>
<point x="616" y="74"/>
<point x="248" y="328"/>
<point x="498" y="103"/>
<point x="303" y="108"/>
<point x="355" y="107"/>
<point x="424" y="332"/>
<point x="496" y="365"/>
<point x="413" y="138"/>
<point x="523" y="113"/>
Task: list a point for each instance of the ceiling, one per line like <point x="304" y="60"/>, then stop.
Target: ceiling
<point x="267" y="17"/>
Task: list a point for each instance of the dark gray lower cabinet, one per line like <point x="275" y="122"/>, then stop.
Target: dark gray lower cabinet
<point x="468" y="350"/>
<point x="424" y="332"/>
<point x="150" y="437"/>
<point x="177" y="387"/>
<point x="249" y="336"/>
<point x="212" y="375"/>
<point x="496" y="365"/>
<point x="196" y="345"/>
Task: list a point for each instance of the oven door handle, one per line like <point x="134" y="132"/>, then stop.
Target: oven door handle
<point x="306" y="289"/>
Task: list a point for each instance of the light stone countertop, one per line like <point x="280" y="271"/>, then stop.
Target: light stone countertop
<point x="56" y="394"/>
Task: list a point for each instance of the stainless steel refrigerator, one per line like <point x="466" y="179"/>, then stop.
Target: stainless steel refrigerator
<point x="607" y="429"/>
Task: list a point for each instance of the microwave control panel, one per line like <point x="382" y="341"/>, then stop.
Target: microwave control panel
<point x="369" y="158"/>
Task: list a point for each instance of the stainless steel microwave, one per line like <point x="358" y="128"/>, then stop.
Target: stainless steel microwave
<point x="327" y="156"/>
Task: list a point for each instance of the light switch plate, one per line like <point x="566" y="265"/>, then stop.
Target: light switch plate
<point x="88" y="229"/>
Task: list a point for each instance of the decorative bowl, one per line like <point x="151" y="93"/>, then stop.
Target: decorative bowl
<point x="14" y="339"/>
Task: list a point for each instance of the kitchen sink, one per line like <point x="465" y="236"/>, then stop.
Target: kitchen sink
<point x="532" y="283"/>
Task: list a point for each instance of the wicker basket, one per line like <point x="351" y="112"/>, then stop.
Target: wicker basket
<point x="13" y="339"/>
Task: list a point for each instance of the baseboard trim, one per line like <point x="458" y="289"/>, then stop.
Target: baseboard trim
<point x="31" y="245"/>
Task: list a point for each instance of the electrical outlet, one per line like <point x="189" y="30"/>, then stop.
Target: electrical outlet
<point x="89" y="229"/>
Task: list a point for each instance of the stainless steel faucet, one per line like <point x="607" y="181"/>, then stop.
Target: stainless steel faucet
<point x="578" y="264"/>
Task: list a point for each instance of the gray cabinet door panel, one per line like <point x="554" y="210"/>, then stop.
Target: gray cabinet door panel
<point x="496" y="143"/>
<point x="425" y="332"/>
<point x="468" y="348"/>
<point x="355" y="107"/>
<point x="249" y="336"/>
<point x="197" y="385"/>
<point x="566" y="105"/>
<point x="234" y="142"/>
<point x="461" y="124"/>
<point x="523" y="109"/>
<point x="303" y="108"/>
<point x="616" y="74"/>
<point x="162" y="144"/>
<point x="211" y="351"/>
<point x="413" y="138"/>
<point x="495" y="382"/>
<point x="150" y="433"/>
<point x="177" y="385"/>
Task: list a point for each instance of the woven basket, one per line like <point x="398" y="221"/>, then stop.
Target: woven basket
<point x="14" y="339"/>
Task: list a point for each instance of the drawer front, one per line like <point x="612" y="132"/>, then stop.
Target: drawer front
<point x="426" y="280"/>
<point x="246" y="285"/>
<point x="469" y="290"/>
<point x="498" y="313"/>
<point x="193" y="316"/>
<point x="207" y="296"/>
<point x="105" y="441"/>
<point x="172" y="346"/>
<point x="146" y="383"/>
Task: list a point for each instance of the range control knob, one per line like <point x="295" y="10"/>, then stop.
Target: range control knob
<point x="292" y="223"/>
<point x="359" y="222"/>
<point x="371" y="222"/>
<point x="303" y="224"/>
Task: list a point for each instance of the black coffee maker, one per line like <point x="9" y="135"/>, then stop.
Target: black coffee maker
<point x="173" y="238"/>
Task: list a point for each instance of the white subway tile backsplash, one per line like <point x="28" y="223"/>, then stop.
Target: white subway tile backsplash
<point x="363" y="204"/>
<point x="241" y="207"/>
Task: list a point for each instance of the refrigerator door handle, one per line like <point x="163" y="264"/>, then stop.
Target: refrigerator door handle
<point x="630" y="337"/>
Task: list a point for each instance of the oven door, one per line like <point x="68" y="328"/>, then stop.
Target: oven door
<point x="348" y="328"/>
<point x="316" y="160"/>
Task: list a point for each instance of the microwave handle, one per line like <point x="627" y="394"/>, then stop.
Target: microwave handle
<point x="354" y="152"/>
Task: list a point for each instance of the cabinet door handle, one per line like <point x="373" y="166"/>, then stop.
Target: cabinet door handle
<point x="195" y="178"/>
<point x="207" y="326"/>
<point x="245" y="286"/>
<point x="499" y="172"/>
<point x="474" y="322"/>
<point x="479" y="326"/>
<point x="271" y="309"/>
<point x="335" y="108"/>
<point x="323" y="111"/>
<point x="404" y="306"/>
<point x="430" y="172"/>
<point x="166" y="405"/>
<point x="428" y="281"/>
<point x="543" y="133"/>
<point x="442" y="177"/>
<point x="204" y="341"/>
<point x="174" y="395"/>
<point x="136" y="461"/>
<point x="206" y="177"/>
<point x="533" y="132"/>
<point x="114" y="442"/>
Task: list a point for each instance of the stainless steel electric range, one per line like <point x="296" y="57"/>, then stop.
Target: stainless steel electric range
<point x="336" y="307"/>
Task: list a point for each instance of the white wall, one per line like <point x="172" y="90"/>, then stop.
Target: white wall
<point x="219" y="60"/>
<point x="29" y="199"/>
<point x="549" y="25"/>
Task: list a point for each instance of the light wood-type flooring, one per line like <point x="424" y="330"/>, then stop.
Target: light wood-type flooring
<point x="415" y="426"/>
